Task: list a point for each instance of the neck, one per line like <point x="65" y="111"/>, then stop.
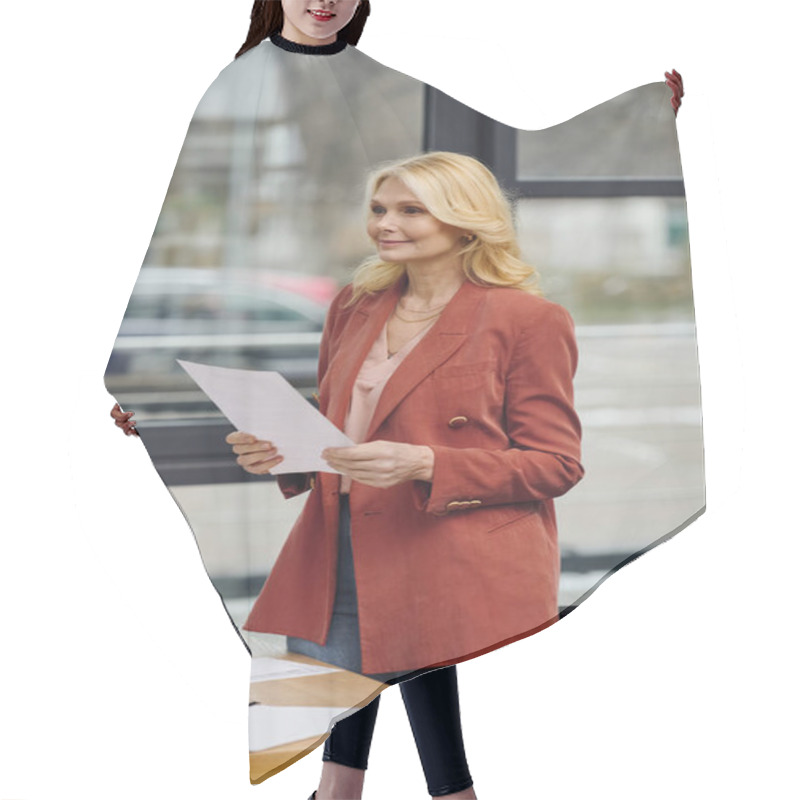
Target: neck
<point x="433" y="284"/>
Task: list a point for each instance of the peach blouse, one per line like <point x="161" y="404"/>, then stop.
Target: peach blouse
<point x="374" y="374"/>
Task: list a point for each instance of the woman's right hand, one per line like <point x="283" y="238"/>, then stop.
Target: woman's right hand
<point x="254" y="455"/>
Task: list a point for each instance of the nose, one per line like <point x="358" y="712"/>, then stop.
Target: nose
<point x="387" y="222"/>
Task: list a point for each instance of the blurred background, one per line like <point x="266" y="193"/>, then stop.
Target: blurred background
<point x="264" y="221"/>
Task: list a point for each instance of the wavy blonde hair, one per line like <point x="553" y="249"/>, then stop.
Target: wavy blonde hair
<point x="457" y="190"/>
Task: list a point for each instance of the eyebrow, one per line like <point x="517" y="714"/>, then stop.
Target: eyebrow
<point x="404" y="202"/>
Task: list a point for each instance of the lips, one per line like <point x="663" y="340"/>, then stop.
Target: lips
<point x="322" y="16"/>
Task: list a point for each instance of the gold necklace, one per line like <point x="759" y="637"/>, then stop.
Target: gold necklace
<point x="421" y="310"/>
<point x="421" y="319"/>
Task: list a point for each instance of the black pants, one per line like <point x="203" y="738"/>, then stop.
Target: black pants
<point x="431" y="702"/>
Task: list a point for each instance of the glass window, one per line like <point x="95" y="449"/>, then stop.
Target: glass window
<point x="622" y="138"/>
<point x="611" y="260"/>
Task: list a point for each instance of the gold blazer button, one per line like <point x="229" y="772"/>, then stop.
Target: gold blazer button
<point x="458" y="422"/>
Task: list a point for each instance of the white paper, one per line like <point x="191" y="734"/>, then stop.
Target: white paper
<point x="271" y="726"/>
<point x="276" y="669"/>
<point x="268" y="406"/>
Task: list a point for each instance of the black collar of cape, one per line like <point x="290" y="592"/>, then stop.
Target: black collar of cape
<point x="308" y="49"/>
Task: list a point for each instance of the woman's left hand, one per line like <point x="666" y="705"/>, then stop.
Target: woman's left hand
<point x="124" y="420"/>
<point x="675" y="82"/>
<point x="382" y="464"/>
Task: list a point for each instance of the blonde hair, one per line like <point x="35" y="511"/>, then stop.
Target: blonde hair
<point x="457" y="190"/>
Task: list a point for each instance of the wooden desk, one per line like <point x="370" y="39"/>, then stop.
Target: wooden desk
<point x="323" y="695"/>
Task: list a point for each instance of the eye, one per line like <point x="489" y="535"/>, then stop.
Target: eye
<point x="414" y="210"/>
<point x="378" y="209"/>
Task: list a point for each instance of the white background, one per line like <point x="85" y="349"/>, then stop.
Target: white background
<point x="120" y="674"/>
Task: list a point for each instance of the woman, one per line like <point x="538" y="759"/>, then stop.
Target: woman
<point x="470" y="428"/>
<point x="306" y="22"/>
<point x="454" y="377"/>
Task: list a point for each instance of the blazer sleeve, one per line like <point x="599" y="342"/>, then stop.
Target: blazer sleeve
<point x="543" y="459"/>
<point x="293" y="483"/>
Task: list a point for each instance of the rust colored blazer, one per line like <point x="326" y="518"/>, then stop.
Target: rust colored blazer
<point x="454" y="567"/>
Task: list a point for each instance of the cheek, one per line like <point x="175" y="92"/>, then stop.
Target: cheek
<point x="349" y="8"/>
<point x="440" y="237"/>
<point x="443" y="241"/>
<point x="293" y="8"/>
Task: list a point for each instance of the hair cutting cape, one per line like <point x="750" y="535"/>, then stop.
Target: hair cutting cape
<point x="262" y="225"/>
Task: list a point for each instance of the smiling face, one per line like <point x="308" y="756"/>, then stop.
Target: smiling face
<point x="315" y="22"/>
<point x="404" y="231"/>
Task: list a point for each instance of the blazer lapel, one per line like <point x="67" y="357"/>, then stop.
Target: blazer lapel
<point x="358" y="337"/>
<point x="447" y="334"/>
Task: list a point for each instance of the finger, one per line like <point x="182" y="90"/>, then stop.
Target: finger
<point x="349" y="465"/>
<point x="339" y="451"/>
<point x="257" y="465"/>
<point x="240" y="437"/>
<point x="258" y="469"/>
<point x="122" y="420"/>
<point x="377" y="482"/>
<point x="377" y="476"/>
<point x="264" y="449"/>
<point x="250" y="460"/>
<point x="372" y="474"/>
<point x="350" y="455"/>
<point x="258" y="456"/>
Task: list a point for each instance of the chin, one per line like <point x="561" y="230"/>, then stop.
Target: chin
<point x="317" y="35"/>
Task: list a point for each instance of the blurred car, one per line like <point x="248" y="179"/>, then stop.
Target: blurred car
<point x="212" y="317"/>
<point x="320" y="288"/>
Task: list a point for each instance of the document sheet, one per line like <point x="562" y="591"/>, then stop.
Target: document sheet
<point x="268" y="406"/>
